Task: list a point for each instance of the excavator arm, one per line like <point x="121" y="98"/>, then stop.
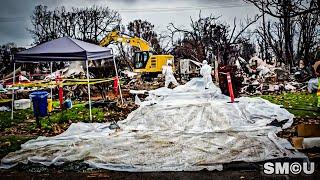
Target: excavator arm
<point x="144" y="61"/>
<point x="116" y="36"/>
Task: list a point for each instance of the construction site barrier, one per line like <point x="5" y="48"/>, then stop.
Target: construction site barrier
<point x="115" y="85"/>
<point x="60" y="82"/>
<point x="52" y="83"/>
<point x="230" y="88"/>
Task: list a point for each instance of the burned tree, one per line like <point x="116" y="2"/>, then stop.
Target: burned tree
<point x="308" y="32"/>
<point x="6" y="57"/>
<point x="45" y="24"/>
<point x="272" y="37"/>
<point x="87" y="24"/>
<point x="207" y="36"/>
<point x="95" y="22"/>
<point x="293" y="8"/>
<point x="145" y="30"/>
<point x="287" y="14"/>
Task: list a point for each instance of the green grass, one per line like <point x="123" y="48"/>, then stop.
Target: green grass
<point x="55" y="104"/>
<point x="18" y="117"/>
<point x="301" y="104"/>
<point x="11" y="143"/>
<point x="78" y="113"/>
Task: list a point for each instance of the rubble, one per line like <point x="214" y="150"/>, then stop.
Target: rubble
<point x="129" y="74"/>
<point x="183" y="129"/>
<point x="2" y="90"/>
<point x="75" y="68"/>
<point x="139" y="84"/>
<point x="189" y="68"/>
<point x="261" y="78"/>
<point x="4" y="108"/>
<point x="313" y="85"/>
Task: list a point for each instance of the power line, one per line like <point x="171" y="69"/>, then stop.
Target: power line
<point x="173" y="9"/>
<point x="176" y="9"/>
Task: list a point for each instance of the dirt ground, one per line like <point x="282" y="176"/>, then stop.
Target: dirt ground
<point x="231" y="171"/>
<point x="237" y="170"/>
<point x="78" y="170"/>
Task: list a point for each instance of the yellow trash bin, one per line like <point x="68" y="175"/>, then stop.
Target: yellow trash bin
<point x="49" y="105"/>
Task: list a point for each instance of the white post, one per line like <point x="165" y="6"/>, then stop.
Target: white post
<point x="216" y="64"/>
<point x="13" y="82"/>
<point x="89" y="90"/>
<point x="51" y="81"/>
<point x="216" y="73"/>
<point x="115" y="66"/>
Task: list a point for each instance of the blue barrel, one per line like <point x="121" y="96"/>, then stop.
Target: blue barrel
<point x="40" y="103"/>
<point x="67" y="104"/>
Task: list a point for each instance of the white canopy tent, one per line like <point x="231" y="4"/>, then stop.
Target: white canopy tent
<point x="65" y="49"/>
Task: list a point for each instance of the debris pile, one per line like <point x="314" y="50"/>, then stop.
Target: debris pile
<point x="188" y="128"/>
<point x="261" y="78"/>
<point x="139" y="84"/>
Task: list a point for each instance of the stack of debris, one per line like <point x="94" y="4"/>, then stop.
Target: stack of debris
<point x="188" y="128"/>
<point x="260" y="78"/>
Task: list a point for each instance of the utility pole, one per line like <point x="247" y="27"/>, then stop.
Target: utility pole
<point x="216" y="64"/>
<point x="264" y="51"/>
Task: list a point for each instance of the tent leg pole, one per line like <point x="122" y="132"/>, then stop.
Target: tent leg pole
<point x="115" y="66"/>
<point x="51" y="80"/>
<point x="89" y="90"/>
<point x="13" y="82"/>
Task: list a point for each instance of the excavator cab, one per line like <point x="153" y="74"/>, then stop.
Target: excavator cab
<point x="147" y="62"/>
<point x="140" y="59"/>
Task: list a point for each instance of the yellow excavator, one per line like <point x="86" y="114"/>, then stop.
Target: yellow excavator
<point x="144" y="61"/>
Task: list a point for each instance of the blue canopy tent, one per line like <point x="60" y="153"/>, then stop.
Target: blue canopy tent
<point x="65" y="49"/>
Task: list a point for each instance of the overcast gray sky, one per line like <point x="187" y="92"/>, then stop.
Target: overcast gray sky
<point x="15" y="14"/>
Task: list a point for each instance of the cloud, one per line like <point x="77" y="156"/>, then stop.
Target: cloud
<point x="15" y="14"/>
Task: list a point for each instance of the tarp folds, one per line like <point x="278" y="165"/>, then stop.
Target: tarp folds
<point x="313" y="85"/>
<point x="184" y="129"/>
<point x="64" y="49"/>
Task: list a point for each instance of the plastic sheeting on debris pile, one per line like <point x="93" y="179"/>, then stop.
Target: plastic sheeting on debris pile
<point x="313" y="85"/>
<point x="184" y="129"/>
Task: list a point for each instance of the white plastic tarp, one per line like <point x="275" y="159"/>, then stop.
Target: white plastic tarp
<point x="313" y="85"/>
<point x="184" y="129"/>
